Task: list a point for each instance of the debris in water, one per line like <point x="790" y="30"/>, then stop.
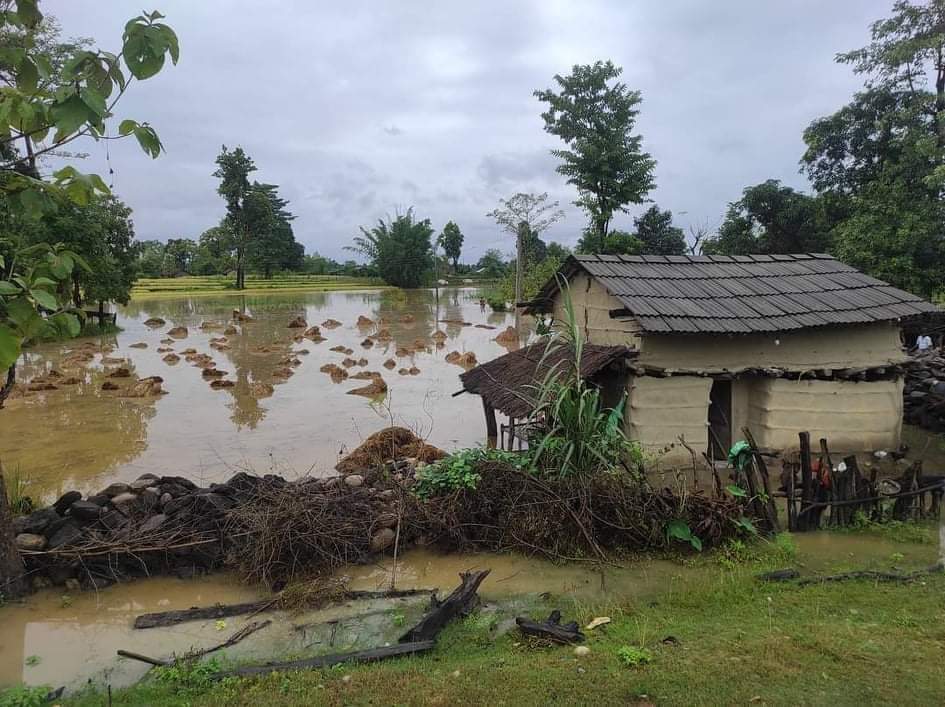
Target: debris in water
<point x="364" y="322"/>
<point x="154" y="322"/>
<point x="484" y="326"/>
<point x="331" y="324"/>
<point x="138" y="345"/>
<point x="365" y="375"/>
<point x="390" y="364"/>
<point x="389" y="443"/>
<point x="178" y="332"/>
<point x="336" y="372"/>
<point x="298" y="323"/>
<point x="375" y="388"/>
<point x="209" y="373"/>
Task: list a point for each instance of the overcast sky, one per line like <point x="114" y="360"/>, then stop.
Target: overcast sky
<point x="360" y="108"/>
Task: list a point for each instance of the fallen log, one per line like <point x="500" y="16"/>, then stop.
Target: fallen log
<point x="221" y="611"/>
<point x="874" y="575"/>
<point x="143" y="658"/>
<point x="326" y="661"/>
<point x="779" y="575"/>
<point x="200" y="613"/>
<point x="460" y="602"/>
<point x="551" y="629"/>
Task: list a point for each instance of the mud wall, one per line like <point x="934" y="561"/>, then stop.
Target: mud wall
<point x="661" y="409"/>
<point x="592" y="305"/>
<point x="853" y="416"/>
<point x="833" y="347"/>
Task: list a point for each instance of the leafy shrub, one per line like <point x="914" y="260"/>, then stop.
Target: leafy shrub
<point x="189" y="677"/>
<point x="24" y="696"/>
<point x="458" y="471"/>
<point x="680" y="530"/>
<point x="634" y="657"/>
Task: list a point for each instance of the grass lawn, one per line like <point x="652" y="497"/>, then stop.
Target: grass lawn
<point x="149" y="288"/>
<point x="735" y="640"/>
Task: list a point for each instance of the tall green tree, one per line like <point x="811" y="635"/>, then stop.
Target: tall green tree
<point x="400" y="248"/>
<point x="273" y="247"/>
<point x="772" y="218"/>
<point x="879" y="162"/>
<point x="491" y="264"/>
<point x="42" y="110"/>
<point x="150" y="258"/>
<point x="657" y="234"/>
<point x="214" y="254"/>
<point x="614" y="243"/>
<point x="452" y="241"/>
<point x="245" y="210"/>
<point x="594" y="114"/>
<point x="179" y="256"/>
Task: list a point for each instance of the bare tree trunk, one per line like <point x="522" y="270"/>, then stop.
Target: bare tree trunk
<point x="519" y="267"/>
<point x="13" y="582"/>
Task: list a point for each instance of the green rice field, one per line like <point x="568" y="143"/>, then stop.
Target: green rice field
<point x="146" y="288"/>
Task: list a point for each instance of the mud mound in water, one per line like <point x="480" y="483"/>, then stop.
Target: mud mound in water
<point x="154" y="322"/>
<point x="374" y="389"/>
<point x="364" y="322"/>
<point x="331" y="324"/>
<point x="389" y="443"/>
<point x="179" y="332"/>
<point x="390" y="364"/>
<point x="508" y="337"/>
<point x="298" y="323"/>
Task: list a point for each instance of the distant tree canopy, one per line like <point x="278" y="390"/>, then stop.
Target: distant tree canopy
<point x="771" y="218"/>
<point x="491" y="264"/>
<point x="452" y="241"/>
<point x="654" y="234"/>
<point x="400" y="248"/>
<point x="877" y="166"/>
<point x="594" y="114"/>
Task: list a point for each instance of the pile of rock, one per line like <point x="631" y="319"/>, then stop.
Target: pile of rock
<point x="924" y="393"/>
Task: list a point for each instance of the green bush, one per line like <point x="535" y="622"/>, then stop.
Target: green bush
<point x="24" y="696"/>
<point x="458" y="471"/>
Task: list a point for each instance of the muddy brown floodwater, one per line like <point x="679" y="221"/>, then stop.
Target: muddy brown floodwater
<point x="79" y="436"/>
<point x="57" y="639"/>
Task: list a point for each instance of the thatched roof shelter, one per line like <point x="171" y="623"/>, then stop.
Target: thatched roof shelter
<point x="508" y="383"/>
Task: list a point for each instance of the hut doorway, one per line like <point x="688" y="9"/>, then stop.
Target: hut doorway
<point x="720" y="416"/>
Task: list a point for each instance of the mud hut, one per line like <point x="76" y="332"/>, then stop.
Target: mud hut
<point x="777" y="343"/>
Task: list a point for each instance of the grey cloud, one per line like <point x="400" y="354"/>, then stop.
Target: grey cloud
<point x="362" y="108"/>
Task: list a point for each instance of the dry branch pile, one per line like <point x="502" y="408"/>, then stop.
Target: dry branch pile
<point x="389" y="444"/>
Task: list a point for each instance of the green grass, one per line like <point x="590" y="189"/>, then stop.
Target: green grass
<point x="147" y="288"/>
<point x="735" y="640"/>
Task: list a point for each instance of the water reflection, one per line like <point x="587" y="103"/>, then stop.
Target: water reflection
<point x="280" y="409"/>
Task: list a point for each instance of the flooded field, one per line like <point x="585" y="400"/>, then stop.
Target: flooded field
<point x="58" y="639"/>
<point x="80" y="436"/>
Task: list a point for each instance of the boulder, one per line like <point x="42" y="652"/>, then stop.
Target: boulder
<point x="30" y="542"/>
<point x="382" y="539"/>
<point x="165" y="499"/>
<point x="85" y="511"/>
<point x="37" y="522"/>
<point x="99" y="499"/>
<point x="143" y="482"/>
<point x="66" y="500"/>
<point x="67" y="534"/>
<point x="152" y="524"/>
<point x="124" y="499"/>
<point x="179" y="481"/>
<point x="116" y="489"/>
<point x="149" y="499"/>
<point x="354" y="480"/>
<point x="387" y="520"/>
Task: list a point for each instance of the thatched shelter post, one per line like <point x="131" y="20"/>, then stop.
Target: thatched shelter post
<point x="492" y="428"/>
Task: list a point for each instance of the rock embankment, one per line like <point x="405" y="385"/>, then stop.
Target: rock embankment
<point x="924" y="393"/>
<point x="171" y="525"/>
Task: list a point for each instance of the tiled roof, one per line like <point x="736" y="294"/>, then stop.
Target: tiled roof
<point x="742" y="293"/>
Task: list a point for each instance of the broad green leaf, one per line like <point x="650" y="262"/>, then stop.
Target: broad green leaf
<point x="94" y="100"/>
<point x="69" y="116"/>
<point x="127" y="126"/>
<point x="66" y="323"/>
<point x="27" y="75"/>
<point x="44" y="299"/>
<point x="10" y="344"/>
<point x="45" y="282"/>
<point x="148" y="140"/>
<point x="737" y="491"/>
<point x="27" y="12"/>
<point x="8" y="288"/>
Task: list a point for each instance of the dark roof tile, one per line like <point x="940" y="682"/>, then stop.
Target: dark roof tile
<point x="741" y="294"/>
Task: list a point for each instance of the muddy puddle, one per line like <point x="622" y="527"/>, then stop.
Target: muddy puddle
<point x="56" y="639"/>
<point x="277" y="412"/>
